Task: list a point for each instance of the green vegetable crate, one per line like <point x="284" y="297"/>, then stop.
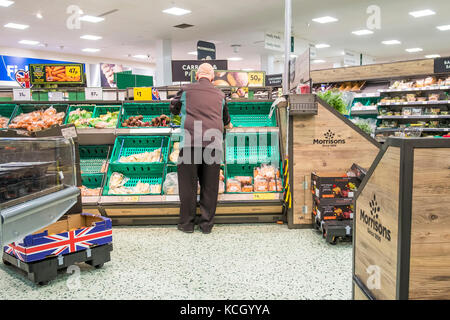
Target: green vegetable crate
<point x="251" y="114"/>
<point x="27" y="108"/>
<point x="151" y="174"/>
<point x="245" y="170"/>
<point x="92" y="158"/>
<point x="7" y="110"/>
<point x="248" y="148"/>
<point x="129" y="145"/>
<point x="92" y="181"/>
<point x="90" y="108"/>
<point x="148" y="110"/>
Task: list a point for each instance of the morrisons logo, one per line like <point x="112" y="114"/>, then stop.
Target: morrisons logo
<point x="329" y="140"/>
<point x="374" y="227"/>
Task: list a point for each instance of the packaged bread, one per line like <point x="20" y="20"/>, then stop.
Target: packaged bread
<point x="234" y="185"/>
<point x="244" y="180"/>
<point x="248" y="188"/>
<point x="261" y="185"/>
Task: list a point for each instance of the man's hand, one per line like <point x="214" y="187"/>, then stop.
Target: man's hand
<point x="229" y="126"/>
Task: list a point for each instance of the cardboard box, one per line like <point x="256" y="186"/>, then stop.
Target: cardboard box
<point x="333" y="185"/>
<point x="336" y="209"/>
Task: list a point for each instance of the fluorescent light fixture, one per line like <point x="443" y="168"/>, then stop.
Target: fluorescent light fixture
<point x="90" y="37"/>
<point x="432" y="56"/>
<point x="92" y="19"/>
<point x="326" y="19"/>
<point x="391" y="42"/>
<point x="412" y="50"/>
<point x="39" y="15"/>
<point x="322" y="45"/>
<point x="362" y="32"/>
<point x="177" y="11"/>
<point x="318" y="61"/>
<point x="140" y="56"/>
<point x="90" y="50"/>
<point x="6" y="3"/>
<point x="248" y="69"/>
<point x="444" y="28"/>
<point x="16" y="26"/>
<point x="294" y="56"/>
<point x="29" y="42"/>
<point x="235" y="59"/>
<point x="193" y="53"/>
<point x="422" y="13"/>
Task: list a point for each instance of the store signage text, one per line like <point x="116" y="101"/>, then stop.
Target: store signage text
<point x="274" y="41"/>
<point x="182" y="69"/>
<point x="329" y="140"/>
<point x="374" y="227"/>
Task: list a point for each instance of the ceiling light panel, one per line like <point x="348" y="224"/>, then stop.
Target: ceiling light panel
<point x="444" y="28"/>
<point x="16" y="26"/>
<point x="91" y="19"/>
<point x="235" y="59"/>
<point x="6" y="3"/>
<point x="391" y="42"/>
<point x="91" y="50"/>
<point x="140" y="56"/>
<point x="29" y="42"/>
<point x="90" y="37"/>
<point x="318" y="61"/>
<point x="322" y="45"/>
<point x="412" y="50"/>
<point x="362" y="32"/>
<point x="432" y="56"/>
<point x="422" y="13"/>
<point x="326" y="19"/>
<point x="176" y="11"/>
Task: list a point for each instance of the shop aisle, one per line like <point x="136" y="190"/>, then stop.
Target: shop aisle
<point x="234" y="262"/>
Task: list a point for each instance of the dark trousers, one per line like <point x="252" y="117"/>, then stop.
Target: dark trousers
<point x="189" y="175"/>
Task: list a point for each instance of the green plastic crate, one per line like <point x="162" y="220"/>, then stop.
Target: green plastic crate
<point x="148" y="110"/>
<point x="129" y="145"/>
<point x="27" y="108"/>
<point x="251" y="114"/>
<point x="151" y="174"/>
<point x="75" y="107"/>
<point x="92" y="181"/>
<point x="101" y="110"/>
<point x="92" y="158"/>
<point x="252" y="148"/>
<point x="7" y="110"/>
<point x="245" y="170"/>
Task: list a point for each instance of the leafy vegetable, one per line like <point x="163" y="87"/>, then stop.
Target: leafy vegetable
<point x="176" y="120"/>
<point x="334" y="99"/>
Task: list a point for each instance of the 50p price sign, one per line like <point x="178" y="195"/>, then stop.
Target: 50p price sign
<point x="256" y="79"/>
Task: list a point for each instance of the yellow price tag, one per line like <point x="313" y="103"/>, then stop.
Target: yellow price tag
<point x="256" y="79"/>
<point x="143" y="94"/>
<point x="73" y="72"/>
<point x="264" y="196"/>
<point x="131" y="199"/>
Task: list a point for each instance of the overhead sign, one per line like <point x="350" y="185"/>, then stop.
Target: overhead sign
<point x="442" y="65"/>
<point x="206" y="50"/>
<point x="352" y="58"/>
<point x="57" y="73"/>
<point x="274" y="80"/>
<point x="274" y="41"/>
<point x="237" y="79"/>
<point x="181" y="69"/>
<point x="300" y="69"/>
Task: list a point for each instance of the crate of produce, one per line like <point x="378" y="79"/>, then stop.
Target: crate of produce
<point x="73" y="233"/>
<point x="80" y="116"/>
<point x="134" y="180"/>
<point x="251" y="114"/>
<point x="253" y="178"/>
<point x="130" y="150"/>
<point x="37" y="117"/>
<point x="6" y="112"/>
<point x="93" y="159"/>
<point x="141" y="115"/>
<point x="332" y="209"/>
<point x="333" y="185"/>
<point x="174" y="150"/>
<point x="243" y="148"/>
<point x="105" y="117"/>
<point x="91" y="184"/>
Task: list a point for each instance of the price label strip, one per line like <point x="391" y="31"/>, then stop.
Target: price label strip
<point x="264" y="196"/>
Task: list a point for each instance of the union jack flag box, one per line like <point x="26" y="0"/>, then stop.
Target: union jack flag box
<point x="74" y="233"/>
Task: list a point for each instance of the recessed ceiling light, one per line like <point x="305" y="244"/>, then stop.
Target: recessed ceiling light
<point x="444" y="28"/>
<point x="193" y="53"/>
<point x="248" y="69"/>
<point x="91" y="50"/>
<point x="318" y="61"/>
<point x="322" y="45"/>
<point x="92" y="19"/>
<point x="176" y="11"/>
<point x="326" y="19"/>
<point x="432" y="56"/>
<point x="140" y="56"/>
<point x="422" y="13"/>
<point x="412" y="50"/>
<point x="16" y="26"/>
<point x="30" y="42"/>
<point x="391" y="42"/>
<point x="39" y="15"/>
<point x="90" y="37"/>
<point x="235" y="59"/>
<point x="294" y="56"/>
<point x="6" y="3"/>
<point x="362" y="32"/>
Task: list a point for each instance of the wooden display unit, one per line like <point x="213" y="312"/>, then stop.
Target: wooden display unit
<point x="402" y="223"/>
<point x="311" y="150"/>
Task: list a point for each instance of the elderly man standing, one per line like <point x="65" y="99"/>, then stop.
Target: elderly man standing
<point x="204" y="114"/>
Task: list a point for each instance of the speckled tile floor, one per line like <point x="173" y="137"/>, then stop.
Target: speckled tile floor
<point x="234" y="262"/>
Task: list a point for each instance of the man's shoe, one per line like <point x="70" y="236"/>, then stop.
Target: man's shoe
<point x="205" y="231"/>
<point x="186" y="230"/>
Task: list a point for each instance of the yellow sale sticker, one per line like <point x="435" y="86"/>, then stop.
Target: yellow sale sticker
<point x="142" y="94"/>
<point x="256" y="79"/>
<point x="131" y="199"/>
<point x="73" y="72"/>
<point x="264" y="196"/>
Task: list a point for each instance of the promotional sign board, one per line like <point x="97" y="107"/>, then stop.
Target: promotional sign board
<point x="181" y="69"/>
<point x="442" y="65"/>
<point x="274" y="80"/>
<point x="57" y="73"/>
<point x="239" y="79"/>
<point x="352" y="58"/>
<point x="274" y="41"/>
<point x="300" y="69"/>
<point x="206" y="50"/>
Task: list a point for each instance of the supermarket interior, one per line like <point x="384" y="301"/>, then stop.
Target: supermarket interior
<point x="334" y="125"/>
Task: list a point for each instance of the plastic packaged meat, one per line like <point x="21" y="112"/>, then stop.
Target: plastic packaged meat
<point x="148" y="157"/>
<point x="244" y="180"/>
<point x="38" y="120"/>
<point x="3" y="122"/>
<point x="247" y="188"/>
<point x="261" y="185"/>
<point x="234" y="185"/>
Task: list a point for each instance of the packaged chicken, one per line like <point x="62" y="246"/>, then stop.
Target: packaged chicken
<point x="244" y="180"/>
<point x="3" y="122"/>
<point x="117" y="180"/>
<point x="174" y="156"/>
<point x="261" y="185"/>
<point x="275" y="185"/>
<point x="266" y="171"/>
<point x="234" y="185"/>
<point x="248" y="188"/>
<point x="171" y="184"/>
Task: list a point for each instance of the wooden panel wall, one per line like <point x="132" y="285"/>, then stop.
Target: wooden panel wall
<point x="358" y="293"/>
<point x="430" y="230"/>
<point x="369" y="251"/>
<point x="375" y="71"/>
<point x="309" y="157"/>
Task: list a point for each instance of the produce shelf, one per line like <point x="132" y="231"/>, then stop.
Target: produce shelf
<point x="127" y="146"/>
<point x="414" y="117"/>
<point x="251" y="114"/>
<point x="92" y="158"/>
<point x="433" y="88"/>
<point x="413" y="103"/>
<point x="90" y="108"/>
<point x="148" y="110"/>
<point x="7" y="111"/>
<point x="246" y="148"/>
<point x="247" y="170"/>
<point x="380" y="130"/>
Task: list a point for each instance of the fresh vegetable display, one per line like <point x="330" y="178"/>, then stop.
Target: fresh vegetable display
<point x="80" y="118"/>
<point x="108" y="120"/>
<point x="334" y="99"/>
<point x="38" y="120"/>
<point x="137" y="121"/>
<point x="3" y="122"/>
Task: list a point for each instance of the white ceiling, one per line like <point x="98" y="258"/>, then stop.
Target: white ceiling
<point x="137" y="24"/>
